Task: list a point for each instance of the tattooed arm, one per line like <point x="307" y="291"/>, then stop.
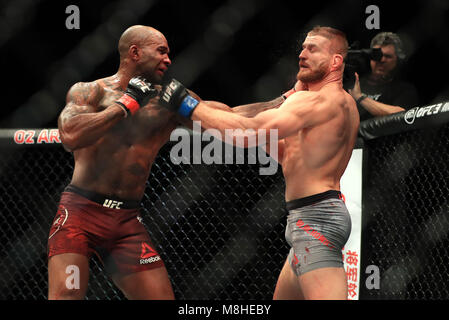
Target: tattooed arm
<point x="251" y="110"/>
<point x="247" y="110"/>
<point x="81" y="123"/>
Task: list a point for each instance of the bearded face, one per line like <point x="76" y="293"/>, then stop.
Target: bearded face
<point x="314" y="59"/>
<point x="311" y="73"/>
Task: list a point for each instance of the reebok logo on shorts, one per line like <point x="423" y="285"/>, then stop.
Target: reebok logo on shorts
<point x="148" y="255"/>
<point x="59" y="221"/>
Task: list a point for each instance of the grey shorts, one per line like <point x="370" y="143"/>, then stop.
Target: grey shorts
<point x="317" y="229"/>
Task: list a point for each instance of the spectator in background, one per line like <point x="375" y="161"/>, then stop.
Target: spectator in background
<point x="381" y="92"/>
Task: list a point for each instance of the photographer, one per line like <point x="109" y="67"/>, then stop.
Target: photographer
<point x="381" y="92"/>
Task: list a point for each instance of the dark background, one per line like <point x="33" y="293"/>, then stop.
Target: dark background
<point x="231" y="51"/>
<point x="220" y="230"/>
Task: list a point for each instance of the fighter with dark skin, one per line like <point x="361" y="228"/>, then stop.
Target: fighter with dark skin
<point x="115" y="141"/>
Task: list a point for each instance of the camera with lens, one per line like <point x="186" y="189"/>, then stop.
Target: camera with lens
<point x="357" y="60"/>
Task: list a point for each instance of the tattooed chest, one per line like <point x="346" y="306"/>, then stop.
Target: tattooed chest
<point x="109" y="99"/>
<point x="147" y="123"/>
<point x="150" y="122"/>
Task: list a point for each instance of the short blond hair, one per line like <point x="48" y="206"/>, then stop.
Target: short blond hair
<point x="336" y="36"/>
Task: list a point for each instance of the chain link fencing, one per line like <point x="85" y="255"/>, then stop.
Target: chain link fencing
<point x="406" y="214"/>
<point x="220" y="228"/>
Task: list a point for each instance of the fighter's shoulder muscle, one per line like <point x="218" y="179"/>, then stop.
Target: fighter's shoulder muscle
<point x="302" y="102"/>
<point x="324" y="98"/>
<point x="312" y="108"/>
<point x="85" y="93"/>
<point x="82" y="97"/>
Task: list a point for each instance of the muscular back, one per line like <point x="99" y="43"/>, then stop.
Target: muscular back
<point x="316" y="157"/>
<point x="113" y="155"/>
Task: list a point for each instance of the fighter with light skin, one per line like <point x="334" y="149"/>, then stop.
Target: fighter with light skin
<point x="317" y="128"/>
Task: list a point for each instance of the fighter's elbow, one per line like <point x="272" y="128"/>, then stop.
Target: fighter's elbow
<point x="68" y="141"/>
<point x="69" y="138"/>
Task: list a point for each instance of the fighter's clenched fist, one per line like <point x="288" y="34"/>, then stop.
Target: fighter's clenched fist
<point x="176" y="98"/>
<point x="137" y="95"/>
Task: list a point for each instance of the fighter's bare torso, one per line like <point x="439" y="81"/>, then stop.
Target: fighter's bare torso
<point x="118" y="163"/>
<point x="315" y="158"/>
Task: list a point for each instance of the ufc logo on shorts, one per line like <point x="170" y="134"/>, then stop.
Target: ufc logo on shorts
<point x="112" y="204"/>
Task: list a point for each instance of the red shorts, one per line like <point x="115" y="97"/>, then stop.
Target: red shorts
<point x="116" y="236"/>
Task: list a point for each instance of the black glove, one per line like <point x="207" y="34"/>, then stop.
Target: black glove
<point x="175" y="97"/>
<point x="137" y="95"/>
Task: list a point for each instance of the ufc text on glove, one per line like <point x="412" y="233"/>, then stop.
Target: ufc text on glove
<point x="176" y="98"/>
